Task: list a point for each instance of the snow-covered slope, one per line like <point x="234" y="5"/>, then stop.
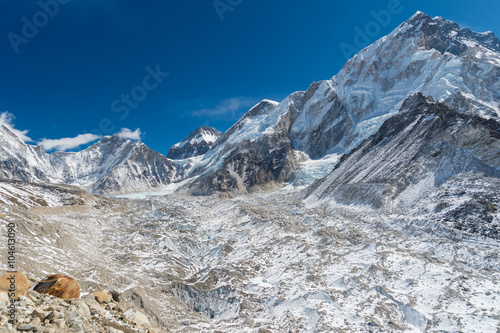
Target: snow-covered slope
<point x="21" y="161"/>
<point x="197" y="143"/>
<point x="29" y="195"/>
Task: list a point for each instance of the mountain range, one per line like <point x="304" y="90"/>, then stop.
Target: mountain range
<point x="419" y="106"/>
<point x="368" y="203"/>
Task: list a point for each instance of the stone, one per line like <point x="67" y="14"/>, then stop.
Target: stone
<point x="4" y="300"/>
<point x="36" y="321"/>
<point x="88" y="296"/>
<point x="31" y="277"/>
<point x="114" y="330"/>
<point x="59" y="286"/>
<point x="81" y="307"/>
<point x="103" y="296"/>
<point x="28" y="328"/>
<point x="21" y="283"/>
<point x="94" y="307"/>
<point x="138" y="318"/>
<point x="116" y="295"/>
<point x="74" y="322"/>
<point x="25" y="301"/>
<point x="42" y="315"/>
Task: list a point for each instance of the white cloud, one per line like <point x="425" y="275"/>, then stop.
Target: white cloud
<point x="128" y="134"/>
<point x="230" y="107"/>
<point x="8" y="118"/>
<point x="68" y="143"/>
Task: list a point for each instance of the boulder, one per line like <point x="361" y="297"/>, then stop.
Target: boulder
<point x="138" y="318"/>
<point x="17" y="280"/>
<point x="59" y="286"/>
<point x="103" y="297"/>
<point x="94" y="307"/>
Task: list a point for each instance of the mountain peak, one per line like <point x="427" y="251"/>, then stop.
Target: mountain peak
<point x="198" y="142"/>
<point x="446" y="36"/>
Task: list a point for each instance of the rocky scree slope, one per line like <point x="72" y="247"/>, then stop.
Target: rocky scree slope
<point x="47" y="314"/>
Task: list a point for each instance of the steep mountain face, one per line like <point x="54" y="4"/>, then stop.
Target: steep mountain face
<point x="113" y="165"/>
<point x="457" y="67"/>
<point x="197" y="143"/>
<point x="429" y="55"/>
<point x="21" y="161"/>
<point x="414" y="161"/>
<point x="256" y="151"/>
<point x="141" y="170"/>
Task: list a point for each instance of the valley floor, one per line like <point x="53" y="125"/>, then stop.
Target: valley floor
<point x="267" y="263"/>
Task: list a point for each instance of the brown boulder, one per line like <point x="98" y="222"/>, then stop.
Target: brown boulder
<point x="59" y="286"/>
<point x="21" y="283"/>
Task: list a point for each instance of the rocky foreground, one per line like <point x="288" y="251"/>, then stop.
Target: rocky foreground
<point x="99" y="312"/>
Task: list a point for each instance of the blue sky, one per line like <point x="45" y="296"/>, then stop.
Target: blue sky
<point x="182" y="64"/>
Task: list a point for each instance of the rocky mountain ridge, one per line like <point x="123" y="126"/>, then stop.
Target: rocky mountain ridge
<point x="415" y="157"/>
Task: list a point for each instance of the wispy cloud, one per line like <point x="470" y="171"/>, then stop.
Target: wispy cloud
<point x="68" y="143"/>
<point x="64" y="144"/>
<point x="8" y="118"/>
<point x="128" y="134"/>
<point x="229" y="108"/>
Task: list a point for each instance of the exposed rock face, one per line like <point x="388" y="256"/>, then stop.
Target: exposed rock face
<point x="16" y="280"/>
<point x="59" y="286"/>
<point x="446" y="36"/>
<point x="197" y="143"/>
<point x="424" y="147"/>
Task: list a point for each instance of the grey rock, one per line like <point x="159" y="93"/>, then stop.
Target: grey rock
<point x="74" y="322"/>
<point x="28" y="328"/>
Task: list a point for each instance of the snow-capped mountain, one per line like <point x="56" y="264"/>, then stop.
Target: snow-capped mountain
<point x="112" y="165"/>
<point x="20" y="161"/>
<point x="271" y="142"/>
<point x="457" y="67"/>
<point x="197" y="143"/>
